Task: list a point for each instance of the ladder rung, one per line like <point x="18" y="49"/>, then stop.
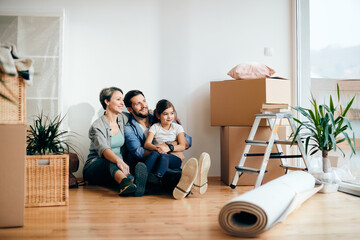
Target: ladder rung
<point x="284" y="142"/>
<point x="262" y="154"/>
<point x="272" y="155"/>
<point x="259" y="143"/>
<point x="275" y="115"/>
<point x="248" y="170"/>
<point x="293" y="167"/>
<point x="291" y="156"/>
<point x="265" y="143"/>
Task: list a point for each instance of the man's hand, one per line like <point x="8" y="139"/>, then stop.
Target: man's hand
<point x="179" y="155"/>
<point x="123" y="167"/>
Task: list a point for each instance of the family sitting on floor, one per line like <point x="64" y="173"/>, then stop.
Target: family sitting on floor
<point x="140" y="151"/>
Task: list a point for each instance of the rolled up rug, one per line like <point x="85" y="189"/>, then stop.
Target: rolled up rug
<point x="261" y="208"/>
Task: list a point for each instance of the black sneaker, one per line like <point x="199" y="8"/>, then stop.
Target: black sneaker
<point x="127" y="190"/>
<point x="154" y="179"/>
<point x="141" y="176"/>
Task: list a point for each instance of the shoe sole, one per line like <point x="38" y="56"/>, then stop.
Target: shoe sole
<point x="128" y="190"/>
<point x="188" y="176"/>
<point x="141" y="176"/>
<point x="201" y="182"/>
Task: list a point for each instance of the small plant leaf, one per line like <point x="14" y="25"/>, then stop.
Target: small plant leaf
<point x="348" y="107"/>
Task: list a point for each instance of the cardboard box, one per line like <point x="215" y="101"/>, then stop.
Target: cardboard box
<point x="232" y="147"/>
<point x="235" y="102"/>
<point x="12" y="175"/>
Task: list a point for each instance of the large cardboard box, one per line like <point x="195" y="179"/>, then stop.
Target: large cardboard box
<point x="232" y="147"/>
<point x="12" y="175"/>
<point x="235" y="102"/>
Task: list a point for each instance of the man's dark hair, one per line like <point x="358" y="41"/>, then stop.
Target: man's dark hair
<point x="129" y="95"/>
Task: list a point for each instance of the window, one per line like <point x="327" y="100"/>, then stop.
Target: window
<point x="329" y="54"/>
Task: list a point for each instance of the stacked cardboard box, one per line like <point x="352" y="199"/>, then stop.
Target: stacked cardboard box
<point x="234" y="104"/>
<point x="232" y="147"/>
<point x="12" y="175"/>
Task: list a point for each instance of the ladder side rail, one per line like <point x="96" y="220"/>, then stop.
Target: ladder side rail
<point x="267" y="153"/>
<point x="246" y="150"/>
<point x="251" y="137"/>
<point x="236" y="177"/>
<point x="299" y="142"/>
<point x="278" y="146"/>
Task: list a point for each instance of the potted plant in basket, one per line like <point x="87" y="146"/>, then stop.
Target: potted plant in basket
<point x="324" y="128"/>
<point x="46" y="137"/>
<point x="47" y="162"/>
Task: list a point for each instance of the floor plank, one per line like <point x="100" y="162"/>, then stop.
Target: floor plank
<point x="98" y="213"/>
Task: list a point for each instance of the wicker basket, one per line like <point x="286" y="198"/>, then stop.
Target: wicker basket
<point x="47" y="180"/>
<point x="14" y="89"/>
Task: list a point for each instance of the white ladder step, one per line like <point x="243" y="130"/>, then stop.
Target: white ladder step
<point x="288" y="167"/>
<point x="272" y="155"/>
<point x="265" y="143"/>
<point x="248" y="170"/>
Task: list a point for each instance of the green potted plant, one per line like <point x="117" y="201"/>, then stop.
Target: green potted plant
<point x="47" y="162"/>
<point x="324" y="127"/>
<point x="46" y="137"/>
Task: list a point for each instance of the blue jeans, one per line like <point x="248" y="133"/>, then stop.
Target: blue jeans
<point x="158" y="163"/>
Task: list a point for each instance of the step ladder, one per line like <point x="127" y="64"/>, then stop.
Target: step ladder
<point x="274" y="120"/>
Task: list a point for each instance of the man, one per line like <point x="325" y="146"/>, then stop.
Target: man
<point x="178" y="181"/>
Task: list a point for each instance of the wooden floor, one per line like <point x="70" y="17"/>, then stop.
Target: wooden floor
<point x="98" y="213"/>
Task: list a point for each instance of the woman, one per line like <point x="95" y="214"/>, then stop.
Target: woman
<point x="105" y="164"/>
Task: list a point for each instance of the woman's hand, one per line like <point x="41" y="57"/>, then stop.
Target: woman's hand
<point x="123" y="167"/>
<point x="162" y="148"/>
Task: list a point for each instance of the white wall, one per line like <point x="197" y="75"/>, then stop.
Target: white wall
<point x="168" y="49"/>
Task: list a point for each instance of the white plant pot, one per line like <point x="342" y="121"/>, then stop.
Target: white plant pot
<point x="329" y="180"/>
<point x="329" y="187"/>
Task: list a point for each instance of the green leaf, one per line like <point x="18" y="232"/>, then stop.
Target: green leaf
<point x="313" y="118"/>
<point x="332" y="109"/>
<point x="348" y="107"/>
<point x="349" y="142"/>
<point x="307" y="141"/>
<point x="303" y="112"/>
<point x="313" y="152"/>
<point x="333" y="142"/>
<point x="316" y="110"/>
<point x="8" y="99"/>
<point x="347" y="122"/>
